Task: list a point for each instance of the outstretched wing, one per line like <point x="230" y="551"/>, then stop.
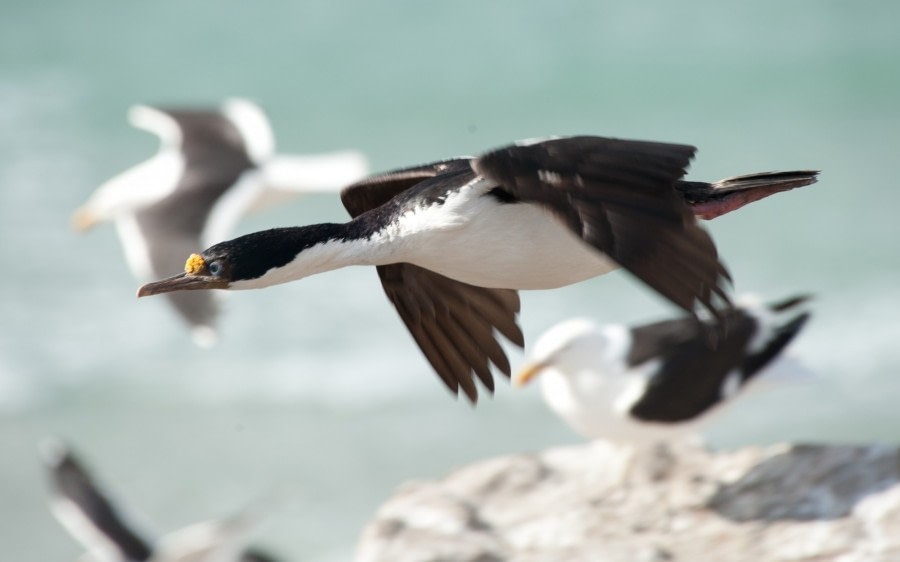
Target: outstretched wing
<point x="452" y="322"/>
<point x="619" y="196"/>
<point x="88" y="515"/>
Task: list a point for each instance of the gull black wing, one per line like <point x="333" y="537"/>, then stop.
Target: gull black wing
<point x="619" y="196"/>
<point x="215" y="157"/>
<point x="86" y="512"/>
<point x="452" y="322"/>
<point x="692" y="371"/>
<point x="651" y="341"/>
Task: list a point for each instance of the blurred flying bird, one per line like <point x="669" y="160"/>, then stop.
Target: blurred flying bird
<point x="213" y="166"/>
<point x="92" y="519"/>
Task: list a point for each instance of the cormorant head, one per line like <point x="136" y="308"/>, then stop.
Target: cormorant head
<point x="201" y="271"/>
<point x="251" y="261"/>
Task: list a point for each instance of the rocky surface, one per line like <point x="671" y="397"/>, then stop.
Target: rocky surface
<point x="603" y="503"/>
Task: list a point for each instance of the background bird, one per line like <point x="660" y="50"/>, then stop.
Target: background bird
<point x="453" y="240"/>
<point x="213" y="166"/>
<point x="93" y="520"/>
<point x="655" y="381"/>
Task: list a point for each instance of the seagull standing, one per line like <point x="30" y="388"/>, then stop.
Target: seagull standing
<point x="644" y="384"/>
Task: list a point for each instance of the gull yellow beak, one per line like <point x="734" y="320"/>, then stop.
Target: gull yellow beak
<point x="528" y="372"/>
<point x="83" y="220"/>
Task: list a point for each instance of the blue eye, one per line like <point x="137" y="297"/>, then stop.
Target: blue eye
<point x="215" y="268"/>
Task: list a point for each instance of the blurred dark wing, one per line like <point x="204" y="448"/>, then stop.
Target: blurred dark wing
<point x="453" y="323"/>
<point x="651" y="341"/>
<point x="87" y="514"/>
<point x="619" y="196"/>
<point x="692" y="370"/>
<point x="257" y="555"/>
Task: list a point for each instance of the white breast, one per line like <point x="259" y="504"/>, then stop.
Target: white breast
<point x="474" y="238"/>
<point x="592" y="404"/>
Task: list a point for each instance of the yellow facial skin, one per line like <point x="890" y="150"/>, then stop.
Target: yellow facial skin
<point x="196" y="276"/>
<point x="195" y="265"/>
<point x="528" y="372"/>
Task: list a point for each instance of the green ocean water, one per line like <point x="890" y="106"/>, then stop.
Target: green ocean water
<point x="316" y="388"/>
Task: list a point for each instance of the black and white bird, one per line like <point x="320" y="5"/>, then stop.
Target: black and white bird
<point x="213" y="166"/>
<point x="92" y="519"/>
<point x="648" y="383"/>
<point x="452" y="241"/>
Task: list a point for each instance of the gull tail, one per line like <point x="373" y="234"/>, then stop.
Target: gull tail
<point x="710" y="200"/>
<point x="779" y="323"/>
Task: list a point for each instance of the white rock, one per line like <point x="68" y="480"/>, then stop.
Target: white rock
<point x="603" y="503"/>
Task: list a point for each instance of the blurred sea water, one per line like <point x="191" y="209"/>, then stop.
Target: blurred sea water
<point x="316" y="388"/>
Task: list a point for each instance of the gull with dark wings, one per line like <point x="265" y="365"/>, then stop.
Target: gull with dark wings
<point x="649" y="383"/>
<point x="454" y="240"/>
<point x="213" y="166"/>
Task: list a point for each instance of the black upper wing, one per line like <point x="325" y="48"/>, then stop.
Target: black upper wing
<point x="452" y="322"/>
<point x="692" y="369"/>
<point x="72" y="483"/>
<point x="619" y="196"/>
<point x="653" y="340"/>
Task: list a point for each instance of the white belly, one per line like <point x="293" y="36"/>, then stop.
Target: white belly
<point x="481" y="241"/>
<point x="590" y="402"/>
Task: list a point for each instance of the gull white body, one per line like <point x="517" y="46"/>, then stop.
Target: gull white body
<point x="592" y="390"/>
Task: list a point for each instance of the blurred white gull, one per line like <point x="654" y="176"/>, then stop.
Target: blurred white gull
<point x="645" y="384"/>
<point x="89" y="515"/>
<point x="213" y="166"/>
